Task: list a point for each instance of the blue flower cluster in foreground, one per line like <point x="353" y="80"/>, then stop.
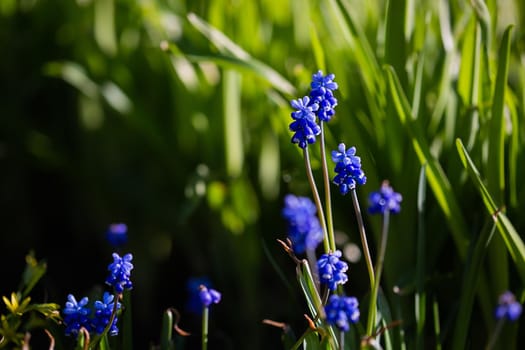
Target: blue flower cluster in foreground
<point x="304" y="230"/>
<point x="95" y="318"/>
<point x="79" y="315"/>
<point x="319" y="105"/>
<point x="341" y="311"/>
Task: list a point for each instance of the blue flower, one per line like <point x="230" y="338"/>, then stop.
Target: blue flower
<point x="117" y="234"/>
<point x="304" y="229"/>
<point x="508" y="307"/>
<point x="341" y="311"/>
<point x="347" y="168"/>
<point x="193" y="284"/>
<point x="209" y="296"/>
<point x="322" y="94"/>
<point x="304" y="124"/>
<point x="103" y="311"/>
<point x="384" y="199"/>
<point x="76" y="315"/>
<point x="332" y="269"/>
<point x="120" y="271"/>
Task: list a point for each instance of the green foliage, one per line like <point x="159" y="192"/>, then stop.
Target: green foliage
<point x="173" y="116"/>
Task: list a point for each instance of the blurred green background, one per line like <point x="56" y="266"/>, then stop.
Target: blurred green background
<point x="172" y="116"/>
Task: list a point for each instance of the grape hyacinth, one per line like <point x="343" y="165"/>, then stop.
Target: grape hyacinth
<point x="209" y="296"/>
<point x="348" y="169"/>
<point x="304" y="124"/>
<point x="322" y="94"/>
<point x="103" y="311"/>
<point x="508" y="307"/>
<point x="304" y="229"/>
<point x="341" y="311"/>
<point x="76" y="315"/>
<point x="120" y="271"/>
<point x="117" y="234"/>
<point x="332" y="269"/>
<point x="384" y="199"/>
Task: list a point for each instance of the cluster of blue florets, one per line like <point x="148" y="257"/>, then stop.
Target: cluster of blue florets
<point x="318" y="106"/>
<point x="341" y="311"/>
<point x="386" y="199"/>
<point x="304" y="229"/>
<point x="332" y="270"/>
<point x="348" y="169"/>
<point x="94" y="319"/>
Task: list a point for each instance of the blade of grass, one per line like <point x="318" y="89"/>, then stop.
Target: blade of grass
<point x="234" y="52"/>
<point x="435" y="174"/>
<point x="420" y="296"/>
<point x="468" y="289"/>
<point x="511" y="237"/>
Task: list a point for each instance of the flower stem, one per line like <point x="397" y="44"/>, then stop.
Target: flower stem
<point x="341" y="340"/>
<point x="328" y="201"/>
<point x="362" y="233"/>
<point x="496" y="333"/>
<point x="205" y="315"/>
<point x="317" y="199"/>
<point x="372" y="309"/>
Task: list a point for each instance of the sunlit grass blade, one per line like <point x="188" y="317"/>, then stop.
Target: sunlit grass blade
<point x="511" y="237"/>
<point x="232" y="125"/>
<point x="437" y="323"/>
<point x="238" y="55"/>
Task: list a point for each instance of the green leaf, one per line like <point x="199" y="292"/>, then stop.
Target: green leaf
<point x="167" y="330"/>
<point x="509" y="234"/>
<point x="235" y="54"/>
<point x="496" y="149"/>
<point x="33" y="272"/>
<point x="437" y="179"/>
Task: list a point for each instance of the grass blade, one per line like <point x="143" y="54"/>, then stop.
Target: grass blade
<point x="511" y="237"/>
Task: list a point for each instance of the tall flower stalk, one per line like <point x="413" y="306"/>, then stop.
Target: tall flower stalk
<point x="207" y="297"/>
<point x="384" y="202"/>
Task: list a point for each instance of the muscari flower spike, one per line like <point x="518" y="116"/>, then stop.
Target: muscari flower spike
<point x="332" y="269"/>
<point x="508" y="307"/>
<point x="322" y="87"/>
<point x="304" y="124"/>
<point x="117" y="234"/>
<point x="341" y="311"/>
<point x="103" y="311"/>
<point x="76" y="315"/>
<point x="348" y="169"/>
<point x="384" y="200"/>
<point x="304" y="229"/>
<point x="120" y="271"/>
<point x="208" y="296"/>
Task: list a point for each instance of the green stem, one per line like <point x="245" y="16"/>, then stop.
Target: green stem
<point x="496" y="333"/>
<point x="372" y="309"/>
<point x="205" y="315"/>
<point x="328" y="200"/>
<point x="317" y="199"/>
<point x="341" y="340"/>
<point x="364" y="241"/>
